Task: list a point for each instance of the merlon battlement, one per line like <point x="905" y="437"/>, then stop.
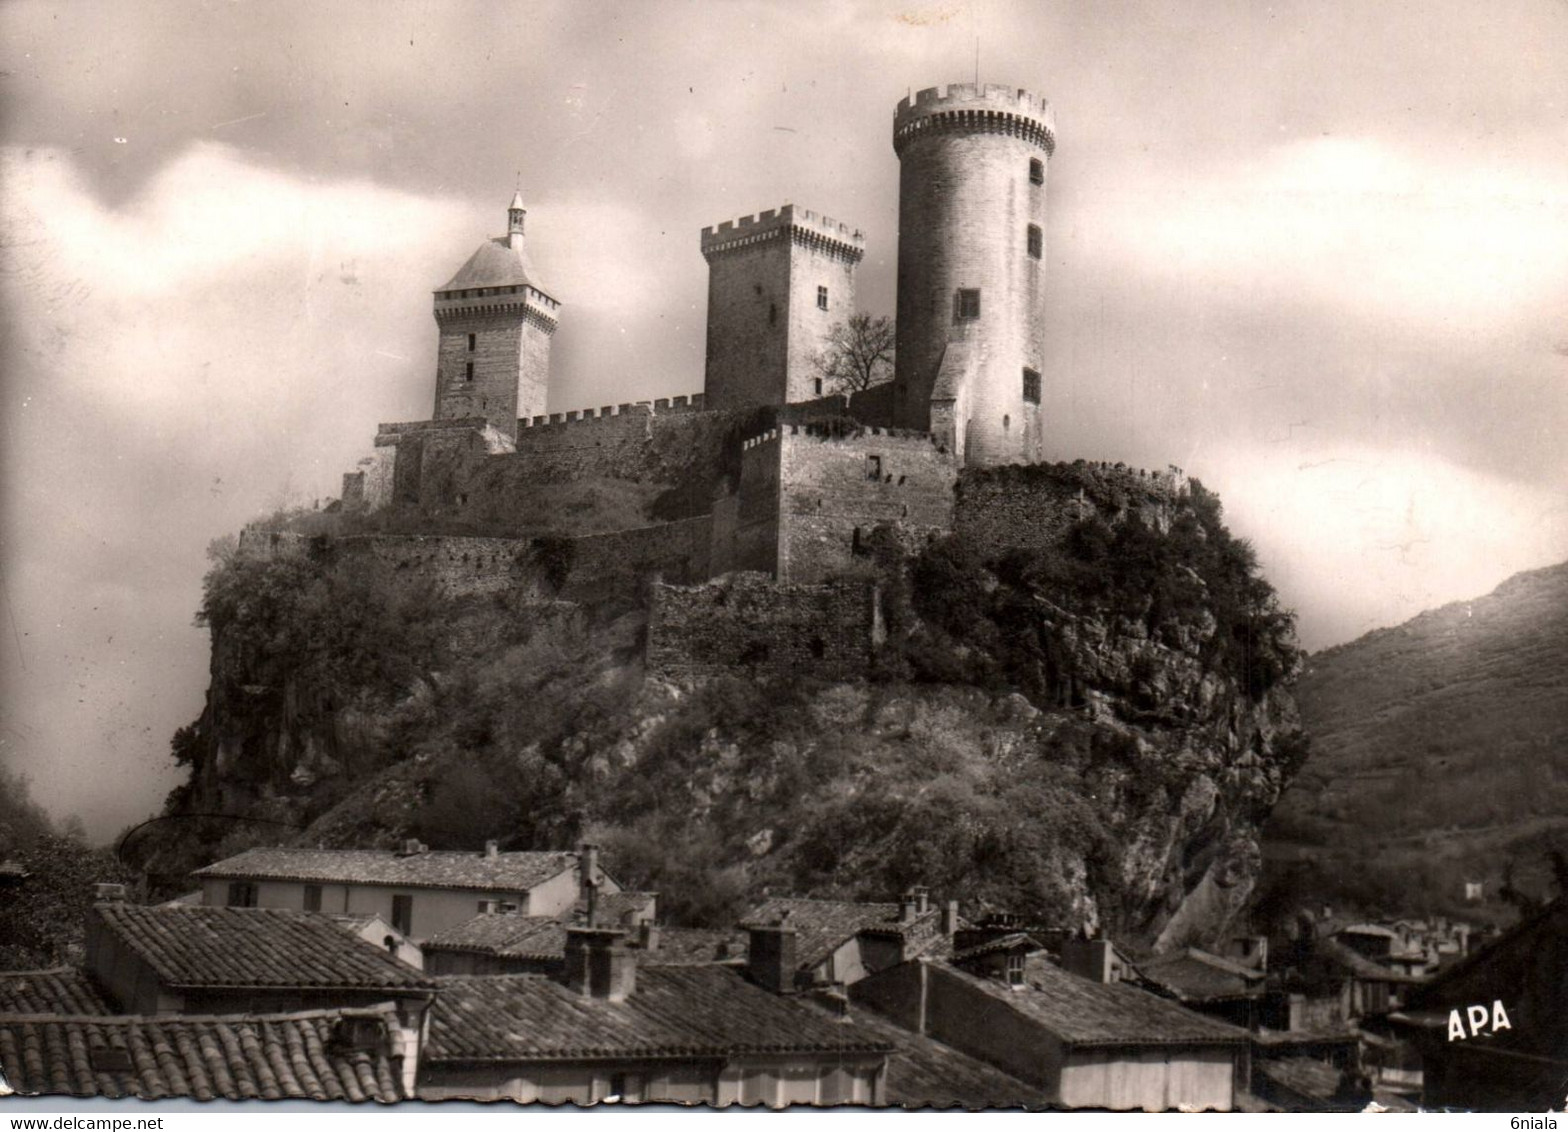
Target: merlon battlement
<point x="686" y="403"/>
<point x="801" y="224"/>
<point x="834" y="432"/>
<point x="990" y="108"/>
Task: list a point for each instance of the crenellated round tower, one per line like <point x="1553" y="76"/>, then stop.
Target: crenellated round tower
<point x="971" y="268"/>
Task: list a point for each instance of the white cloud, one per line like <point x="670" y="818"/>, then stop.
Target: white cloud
<point x="1431" y="243"/>
<point x="1363" y="538"/>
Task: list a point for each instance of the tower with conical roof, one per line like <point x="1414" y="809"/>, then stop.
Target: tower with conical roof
<point x="495" y="322"/>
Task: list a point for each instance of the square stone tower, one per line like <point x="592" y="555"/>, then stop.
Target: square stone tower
<point x="777" y="283"/>
<point x="495" y="321"/>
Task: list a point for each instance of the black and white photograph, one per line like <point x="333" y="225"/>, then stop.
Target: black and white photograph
<point x="962" y="555"/>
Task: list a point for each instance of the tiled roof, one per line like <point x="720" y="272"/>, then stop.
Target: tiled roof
<point x="511" y="936"/>
<point x="505" y="872"/>
<point x="610" y="907"/>
<point x="923" y="1072"/>
<point x="1008" y="942"/>
<point x="244" y="1056"/>
<point x="680" y="947"/>
<point x="1200" y="976"/>
<point x="502" y="933"/>
<point x="698" y="1011"/>
<point x="495" y="263"/>
<point x="254" y="947"/>
<point x="60" y="990"/>
<point x="823" y="926"/>
<point x="1085" y="1013"/>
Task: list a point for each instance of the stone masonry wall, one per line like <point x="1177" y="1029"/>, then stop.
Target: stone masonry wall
<point x="836" y="488"/>
<point x="1031" y="507"/>
<point x="614" y="444"/>
<point x="745" y="624"/>
<point x="592" y="568"/>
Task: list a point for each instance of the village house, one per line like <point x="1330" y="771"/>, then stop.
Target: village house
<point x="1085" y="1044"/>
<point x="1492" y="1030"/>
<point x="418" y="891"/>
<point x="1213" y="985"/>
<point x="228" y="961"/>
<point x="608" y="1027"/>
<point x="839" y="941"/>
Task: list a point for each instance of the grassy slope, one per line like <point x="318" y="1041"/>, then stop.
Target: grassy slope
<point x="1440" y="747"/>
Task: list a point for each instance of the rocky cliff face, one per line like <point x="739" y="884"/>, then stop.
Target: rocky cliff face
<point x="1076" y="744"/>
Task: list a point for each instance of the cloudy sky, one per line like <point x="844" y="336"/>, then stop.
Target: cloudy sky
<point x="1315" y="253"/>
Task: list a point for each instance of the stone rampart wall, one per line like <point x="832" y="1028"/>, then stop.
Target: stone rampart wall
<point x="1032" y="506"/>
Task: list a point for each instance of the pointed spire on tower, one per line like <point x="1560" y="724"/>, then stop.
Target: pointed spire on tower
<point x="515" y="214"/>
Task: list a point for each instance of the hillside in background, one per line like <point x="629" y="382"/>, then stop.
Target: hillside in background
<point x="1439" y="755"/>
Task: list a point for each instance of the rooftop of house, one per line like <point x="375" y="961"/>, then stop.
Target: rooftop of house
<point x="275" y="1057"/>
<point x="823" y="926"/>
<point x="1084" y="1013"/>
<point x="59" y="990"/>
<point x="500" y="872"/>
<point x="674" y="1012"/>
<point x="507" y="935"/>
<point x="1200" y="976"/>
<point x="1317" y="1081"/>
<point x="925" y="1073"/>
<point x="191" y="947"/>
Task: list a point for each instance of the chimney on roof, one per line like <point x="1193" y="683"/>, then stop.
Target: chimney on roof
<point x="909" y="907"/>
<point x="588" y="878"/>
<point x="412" y="847"/>
<point x="492" y="850"/>
<point x="950" y="918"/>
<point x="648" y="935"/>
<point x="770" y="960"/>
<point x="106" y="892"/>
<point x="1093" y="959"/>
<point x="922" y="896"/>
<point x="599" y="964"/>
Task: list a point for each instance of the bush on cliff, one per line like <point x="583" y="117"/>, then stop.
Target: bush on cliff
<point x="989" y="623"/>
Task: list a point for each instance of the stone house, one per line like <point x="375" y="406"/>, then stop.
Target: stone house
<point x="1085" y="1044"/>
<point x="610" y="1027"/>
<point x="838" y="941"/>
<point x="417" y="890"/>
<point x="225" y="961"/>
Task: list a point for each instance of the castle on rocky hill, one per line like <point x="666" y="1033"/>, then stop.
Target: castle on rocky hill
<point x="817" y="474"/>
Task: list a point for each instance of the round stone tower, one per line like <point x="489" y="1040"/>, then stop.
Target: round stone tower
<point x="971" y="268"/>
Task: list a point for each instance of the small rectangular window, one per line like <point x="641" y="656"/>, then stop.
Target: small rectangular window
<point x="969" y="302"/>
<point x="403" y="913"/>
<point x="1036" y="241"/>
<point x="242" y="894"/>
<point x="817" y="385"/>
<point x="874" y="468"/>
<point x="1036" y="171"/>
<point x="468" y="371"/>
<point x="1015" y="970"/>
<point x="1031" y="387"/>
<point x="312" y="898"/>
<point x="822" y="298"/>
<point x="472" y="338"/>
